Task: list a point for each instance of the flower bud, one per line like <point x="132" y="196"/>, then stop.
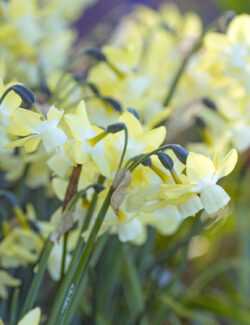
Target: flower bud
<point x="166" y="161"/>
<point x="94" y="89"/>
<point x="180" y="152"/>
<point x="96" y="54"/>
<point x="25" y="93"/>
<point x="112" y="102"/>
<point x="147" y="162"/>
<point x="201" y="124"/>
<point x="98" y="188"/>
<point x="10" y="197"/>
<point x="34" y="226"/>
<point x="209" y="103"/>
<point x="225" y="20"/>
<point x="116" y="127"/>
<point x="134" y="112"/>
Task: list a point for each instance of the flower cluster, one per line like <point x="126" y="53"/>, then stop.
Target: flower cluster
<point x="36" y="38"/>
<point x="99" y="144"/>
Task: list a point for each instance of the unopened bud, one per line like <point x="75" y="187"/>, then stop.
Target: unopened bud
<point x="116" y="127"/>
<point x="134" y="112"/>
<point x="98" y="188"/>
<point x="112" y="102"/>
<point x="96" y="54"/>
<point x="199" y="121"/>
<point x="180" y="152"/>
<point x="25" y="93"/>
<point x="147" y="162"/>
<point x="209" y="103"/>
<point x="166" y="161"/>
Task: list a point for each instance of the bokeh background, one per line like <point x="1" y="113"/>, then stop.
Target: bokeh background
<point x="104" y="14"/>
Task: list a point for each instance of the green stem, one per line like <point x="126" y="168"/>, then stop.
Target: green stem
<point x="210" y="272"/>
<point x="5" y="94"/>
<point x="196" y="228"/>
<point x="36" y="282"/>
<point x="84" y="260"/>
<point x="78" y="250"/>
<point x="65" y="71"/>
<point x="77" y="297"/>
<point x="70" y="193"/>
<point x="176" y="79"/>
<point x="71" y="207"/>
<point x="133" y="283"/>
<point x="142" y="158"/>
<point x="72" y="279"/>
<point x="244" y="251"/>
<point x="186" y="59"/>
<point x="14" y="307"/>
<point x="183" y="312"/>
<point x="65" y="244"/>
<point x="124" y="147"/>
<point x="92" y="206"/>
<point x="67" y="93"/>
<point x="75" y="272"/>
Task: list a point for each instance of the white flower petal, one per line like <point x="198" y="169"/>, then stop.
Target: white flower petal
<point x="213" y="198"/>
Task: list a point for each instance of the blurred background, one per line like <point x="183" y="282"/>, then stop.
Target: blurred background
<point x="107" y="13"/>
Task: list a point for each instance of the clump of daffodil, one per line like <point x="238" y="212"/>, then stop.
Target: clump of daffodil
<point x="106" y="166"/>
<point x="22" y="244"/>
<point x="226" y="56"/>
<point x="32" y="35"/>
<point x="225" y="127"/>
<point x="131" y="75"/>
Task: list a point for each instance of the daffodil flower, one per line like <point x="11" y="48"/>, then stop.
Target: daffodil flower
<point x="7" y="280"/>
<point x="34" y="129"/>
<point x="226" y="56"/>
<point x="201" y="177"/>
<point x="138" y="140"/>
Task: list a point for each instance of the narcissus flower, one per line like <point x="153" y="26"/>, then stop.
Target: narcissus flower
<point x="201" y="177"/>
<point x="34" y="129"/>
<point x="83" y="149"/>
<point x="7" y="280"/>
<point x="139" y="141"/>
<point x="226" y="57"/>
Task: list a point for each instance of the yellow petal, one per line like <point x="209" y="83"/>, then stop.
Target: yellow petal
<point x="11" y="101"/>
<point x="54" y="114"/>
<point x="26" y="121"/>
<point x="238" y="30"/>
<point x="213" y="198"/>
<point x="77" y="121"/>
<point x="78" y="153"/>
<point x="165" y="220"/>
<point x="60" y="187"/>
<point x="133" y="125"/>
<point x="31" y="318"/>
<point x="176" y="193"/>
<point x="59" y="165"/>
<point x="190" y="207"/>
<point x="153" y="138"/>
<point x="199" y="167"/>
<point x="228" y="164"/>
<point x="19" y="142"/>
<point x="215" y="40"/>
<point x="32" y="144"/>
